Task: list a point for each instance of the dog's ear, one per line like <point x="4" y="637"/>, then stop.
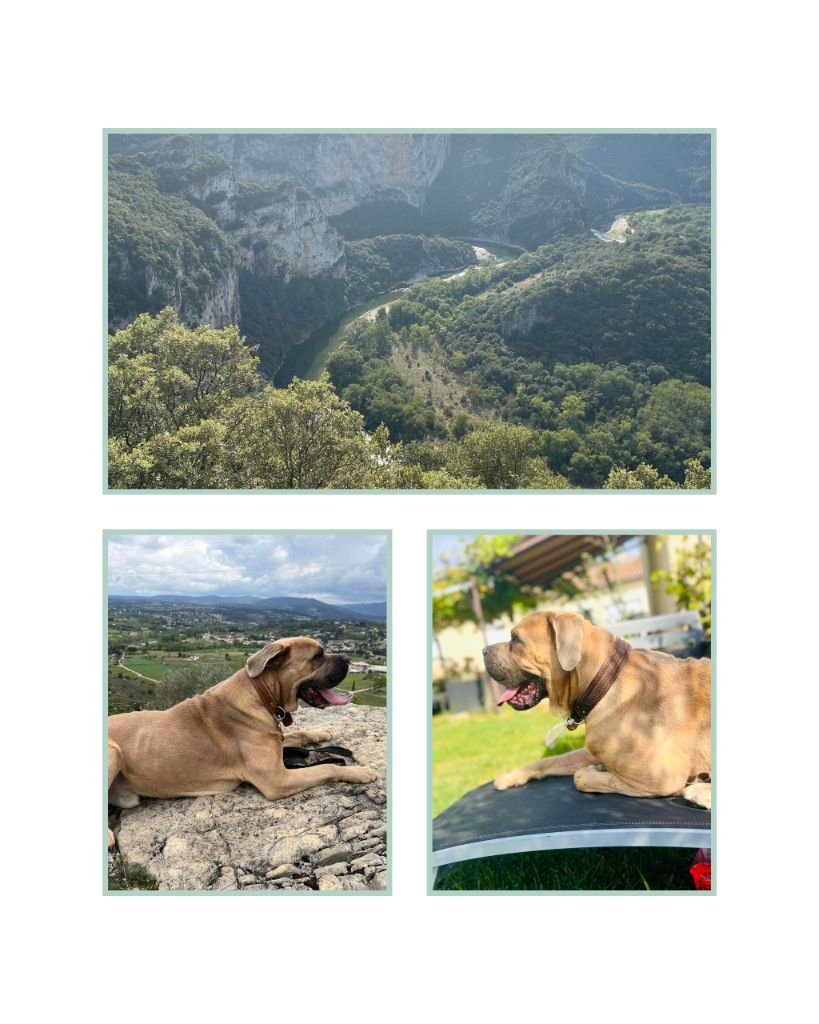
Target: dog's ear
<point x="568" y="627"/>
<point x="257" y="663"/>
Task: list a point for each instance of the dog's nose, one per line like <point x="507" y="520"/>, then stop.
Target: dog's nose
<point x="344" y="658"/>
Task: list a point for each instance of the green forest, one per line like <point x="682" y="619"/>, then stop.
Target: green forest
<point x="581" y="359"/>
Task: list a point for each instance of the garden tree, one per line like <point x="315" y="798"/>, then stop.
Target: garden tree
<point x="163" y="376"/>
<point x="499" y="595"/>
<point x="689" y="580"/>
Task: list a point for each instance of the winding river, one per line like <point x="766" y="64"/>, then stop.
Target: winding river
<point x="309" y="359"/>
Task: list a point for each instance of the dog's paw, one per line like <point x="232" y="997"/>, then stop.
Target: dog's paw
<point x="358" y="773"/>
<point x="320" y="735"/>
<point x="509" y="780"/>
<point x="699" y="793"/>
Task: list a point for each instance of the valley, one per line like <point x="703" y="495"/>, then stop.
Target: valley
<point x="461" y="294"/>
<point x="164" y="649"/>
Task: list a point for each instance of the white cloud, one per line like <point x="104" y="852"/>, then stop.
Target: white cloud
<point x="343" y="568"/>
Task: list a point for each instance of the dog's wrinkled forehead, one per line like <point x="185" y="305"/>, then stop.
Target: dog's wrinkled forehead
<point x="298" y="650"/>
<point x="559" y="633"/>
<point x="532" y="631"/>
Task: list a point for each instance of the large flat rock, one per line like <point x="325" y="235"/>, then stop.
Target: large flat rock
<point x="330" y="837"/>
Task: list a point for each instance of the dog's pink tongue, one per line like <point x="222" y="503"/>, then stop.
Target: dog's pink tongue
<point x="337" y="698"/>
<point x="508" y="694"/>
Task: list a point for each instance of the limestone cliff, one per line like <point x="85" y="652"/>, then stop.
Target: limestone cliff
<point x="342" y="171"/>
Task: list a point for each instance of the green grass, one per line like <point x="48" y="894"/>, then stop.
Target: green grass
<point x="469" y="750"/>
<point x="124" y="876"/>
<point x="147" y="666"/>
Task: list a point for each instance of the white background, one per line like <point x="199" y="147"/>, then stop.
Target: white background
<point x="69" y="71"/>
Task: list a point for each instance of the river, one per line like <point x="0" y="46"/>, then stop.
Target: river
<point x="308" y="360"/>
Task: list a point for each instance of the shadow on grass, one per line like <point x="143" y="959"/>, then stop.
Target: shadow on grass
<point x="608" y="868"/>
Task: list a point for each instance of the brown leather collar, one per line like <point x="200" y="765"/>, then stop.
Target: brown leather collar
<point x="276" y="710"/>
<point x="600" y="685"/>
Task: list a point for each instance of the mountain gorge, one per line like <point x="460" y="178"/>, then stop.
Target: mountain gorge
<point x="255" y="229"/>
<point x="409" y="311"/>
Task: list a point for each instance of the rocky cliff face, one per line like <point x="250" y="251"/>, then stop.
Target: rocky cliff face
<point x="248" y="228"/>
<point x="276" y="225"/>
<point x="342" y="171"/>
<point x="333" y="837"/>
<point x="525" y="189"/>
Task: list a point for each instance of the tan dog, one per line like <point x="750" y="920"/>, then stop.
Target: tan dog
<point x="225" y="736"/>
<point x="650" y="735"/>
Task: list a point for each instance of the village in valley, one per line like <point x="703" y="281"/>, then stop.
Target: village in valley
<point x="158" y="647"/>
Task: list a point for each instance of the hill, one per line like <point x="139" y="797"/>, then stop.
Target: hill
<point x="306" y="606"/>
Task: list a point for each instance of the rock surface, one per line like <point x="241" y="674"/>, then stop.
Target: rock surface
<point x="331" y="837"/>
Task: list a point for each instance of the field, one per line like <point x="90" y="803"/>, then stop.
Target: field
<point x="469" y="750"/>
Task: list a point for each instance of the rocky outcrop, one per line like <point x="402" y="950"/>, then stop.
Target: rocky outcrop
<point x="342" y="171"/>
<point x="332" y="837"/>
<point x="277" y="226"/>
<point x="282" y="230"/>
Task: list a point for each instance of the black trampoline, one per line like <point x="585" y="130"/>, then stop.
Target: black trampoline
<point x="550" y="814"/>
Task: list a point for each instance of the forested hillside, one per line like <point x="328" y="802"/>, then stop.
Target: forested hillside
<point x="603" y="349"/>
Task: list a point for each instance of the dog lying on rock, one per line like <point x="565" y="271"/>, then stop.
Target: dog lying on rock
<point x="231" y="733"/>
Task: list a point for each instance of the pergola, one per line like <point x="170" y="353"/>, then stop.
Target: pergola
<point x="538" y="559"/>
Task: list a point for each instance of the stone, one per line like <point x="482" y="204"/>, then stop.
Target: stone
<point x="335" y="853"/>
<point x="283" y="871"/>
<point x="333" y="869"/>
<point x="240" y="840"/>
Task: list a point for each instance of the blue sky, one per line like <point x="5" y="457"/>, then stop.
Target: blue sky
<point x="348" y="568"/>
<point x="447" y="546"/>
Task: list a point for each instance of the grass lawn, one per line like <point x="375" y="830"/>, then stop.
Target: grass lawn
<point x="468" y="750"/>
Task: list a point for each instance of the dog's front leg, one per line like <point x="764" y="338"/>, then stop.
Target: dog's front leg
<point x="279" y="783"/>
<point x="560" y="764"/>
<point x="299" y="738"/>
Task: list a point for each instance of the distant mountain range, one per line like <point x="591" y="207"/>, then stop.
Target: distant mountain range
<point x="375" y="609"/>
<point x="310" y="606"/>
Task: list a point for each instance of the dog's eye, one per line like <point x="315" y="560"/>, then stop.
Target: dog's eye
<point x="515" y="638"/>
<point x="318" y="655"/>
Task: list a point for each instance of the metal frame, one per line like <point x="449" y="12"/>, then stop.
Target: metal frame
<point x="695" y="838"/>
